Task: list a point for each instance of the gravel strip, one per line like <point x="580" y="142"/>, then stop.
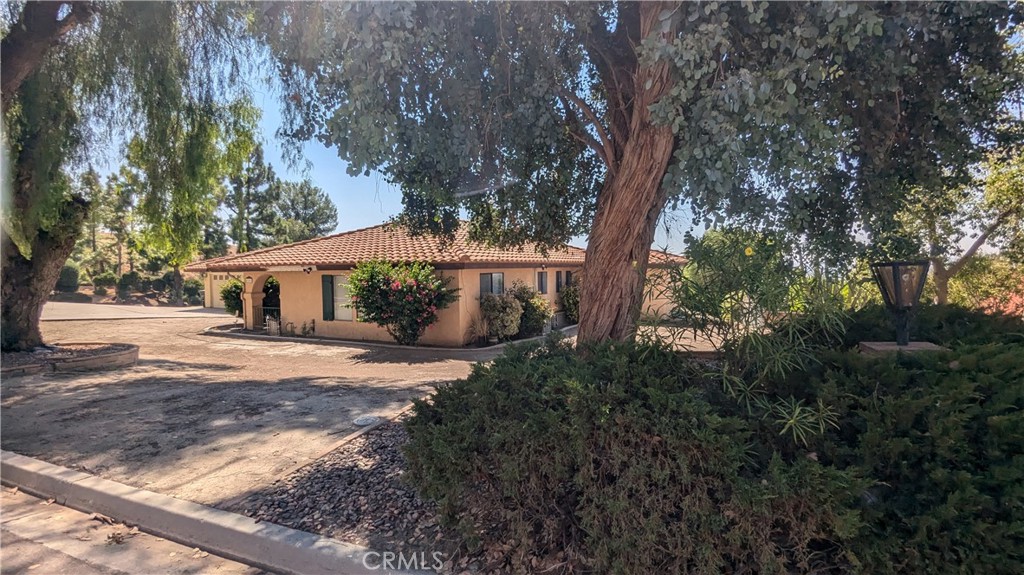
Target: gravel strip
<point x="56" y="353"/>
<point x="356" y="494"/>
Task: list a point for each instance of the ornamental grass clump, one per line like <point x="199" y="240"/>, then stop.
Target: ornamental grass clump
<point x="403" y="298"/>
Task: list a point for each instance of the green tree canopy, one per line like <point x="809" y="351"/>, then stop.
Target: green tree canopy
<point x="252" y="201"/>
<point x="555" y="119"/>
<point x="952" y="224"/>
<point x="304" y="212"/>
<point x="80" y="74"/>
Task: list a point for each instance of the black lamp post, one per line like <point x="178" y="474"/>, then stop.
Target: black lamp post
<point x="901" y="284"/>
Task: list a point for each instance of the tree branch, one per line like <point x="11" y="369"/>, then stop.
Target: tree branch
<point x="980" y="241"/>
<point x="25" y="47"/>
<point x="609" y="150"/>
<point x="577" y="131"/>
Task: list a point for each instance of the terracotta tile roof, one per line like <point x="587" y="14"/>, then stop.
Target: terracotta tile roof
<point x="384" y="242"/>
<point x="661" y="258"/>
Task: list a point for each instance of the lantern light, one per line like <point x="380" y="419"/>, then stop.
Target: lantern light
<point x="901" y="284"/>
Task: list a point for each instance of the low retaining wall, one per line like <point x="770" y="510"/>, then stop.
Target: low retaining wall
<point x="111" y="360"/>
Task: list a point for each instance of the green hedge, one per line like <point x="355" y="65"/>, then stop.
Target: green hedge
<point x="616" y="457"/>
<point x="945" y="325"/>
<point x="628" y="460"/>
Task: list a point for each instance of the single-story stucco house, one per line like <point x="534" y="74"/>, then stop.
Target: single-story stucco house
<point x="312" y="275"/>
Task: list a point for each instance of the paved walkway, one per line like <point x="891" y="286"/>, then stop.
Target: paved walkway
<point x="41" y="538"/>
<point x="65" y="311"/>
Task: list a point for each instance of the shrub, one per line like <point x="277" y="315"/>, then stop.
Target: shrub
<point x="100" y="290"/>
<point x="537" y="311"/>
<point x="402" y="298"/>
<point x="193" y="288"/>
<point x="105" y="279"/>
<point x="67" y="281"/>
<point x="128" y="282"/>
<point x="159" y="285"/>
<point x="571" y="300"/>
<point x="615" y="458"/>
<point x="942" y="438"/>
<point x="628" y="460"/>
<point x="949" y="325"/>
<point x="231" y="293"/>
<point x="502" y="314"/>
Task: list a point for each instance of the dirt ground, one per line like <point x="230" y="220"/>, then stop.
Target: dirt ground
<point x="204" y="418"/>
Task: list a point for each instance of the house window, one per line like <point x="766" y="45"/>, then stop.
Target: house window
<point x="492" y="283"/>
<point x="342" y="299"/>
<point x="336" y="298"/>
<point x="558" y="282"/>
<point x="568" y="278"/>
<point x="542" y="282"/>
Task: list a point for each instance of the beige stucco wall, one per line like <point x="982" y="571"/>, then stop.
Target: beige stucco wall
<point x="213" y="282"/>
<point x="657" y="301"/>
<point x="457" y="325"/>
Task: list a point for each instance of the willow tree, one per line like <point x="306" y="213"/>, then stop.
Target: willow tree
<point x="182" y="190"/>
<point x="76" y="75"/>
<point x="546" y="120"/>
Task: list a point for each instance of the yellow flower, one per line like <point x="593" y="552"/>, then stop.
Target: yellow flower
<point x="749" y="251"/>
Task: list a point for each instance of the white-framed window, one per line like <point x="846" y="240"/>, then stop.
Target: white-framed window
<point x="342" y="300"/>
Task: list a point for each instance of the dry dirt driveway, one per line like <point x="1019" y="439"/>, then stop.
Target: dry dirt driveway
<point x="205" y="418"/>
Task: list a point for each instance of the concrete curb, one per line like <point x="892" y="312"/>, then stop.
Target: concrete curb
<point x="263" y="545"/>
<point x="104" y="361"/>
<point x="216" y="331"/>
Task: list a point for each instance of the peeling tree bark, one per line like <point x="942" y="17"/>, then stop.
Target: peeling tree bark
<point x="628" y="206"/>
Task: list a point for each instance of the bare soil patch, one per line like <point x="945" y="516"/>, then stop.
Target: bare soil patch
<point x="205" y="418"/>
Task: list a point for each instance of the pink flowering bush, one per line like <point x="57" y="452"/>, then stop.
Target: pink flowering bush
<point x="402" y="298"/>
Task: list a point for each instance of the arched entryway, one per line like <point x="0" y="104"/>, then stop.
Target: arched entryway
<point x="261" y="300"/>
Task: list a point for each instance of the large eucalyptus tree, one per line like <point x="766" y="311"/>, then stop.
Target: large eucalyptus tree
<point x="545" y="120"/>
<point x="75" y="76"/>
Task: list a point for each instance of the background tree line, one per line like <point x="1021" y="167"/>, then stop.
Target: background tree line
<point x="248" y="209"/>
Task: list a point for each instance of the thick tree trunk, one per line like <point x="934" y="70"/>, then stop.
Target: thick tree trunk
<point x="26" y="283"/>
<point x="628" y="208"/>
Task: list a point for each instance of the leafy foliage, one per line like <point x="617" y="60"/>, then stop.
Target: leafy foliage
<point x="231" y="294"/>
<point x="67" y="281"/>
<point x="941" y="437"/>
<point x="107" y="279"/>
<point x="558" y="451"/>
<point x="947" y="325"/>
<point x="537" y="311"/>
<point x="252" y="200"/>
<point x="402" y="298"/>
<point x="593" y="460"/>
<point x="304" y="212"/>
<point x="502" y="313"/>
<point x="532" y="104"/>
<point x="571" y="300"/>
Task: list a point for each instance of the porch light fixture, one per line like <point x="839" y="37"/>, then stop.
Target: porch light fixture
<point x="248" y="279"/>
<point x="901" y="284"/>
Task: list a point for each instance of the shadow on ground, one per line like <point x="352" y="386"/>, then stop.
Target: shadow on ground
<point x="184" y="429"/>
